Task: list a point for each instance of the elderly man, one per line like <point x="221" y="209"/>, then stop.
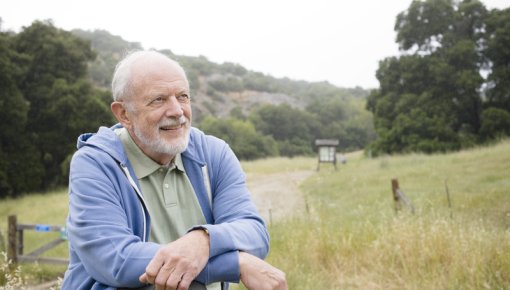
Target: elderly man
<point x="154" y="202"/>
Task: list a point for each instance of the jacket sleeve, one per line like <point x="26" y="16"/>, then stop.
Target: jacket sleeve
<point x="237" y="224"/>
<point x="98" y="227"/>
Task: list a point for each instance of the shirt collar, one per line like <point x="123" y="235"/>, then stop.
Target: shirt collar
<point x="143" y="165"/>
<point x="178" y="163"/>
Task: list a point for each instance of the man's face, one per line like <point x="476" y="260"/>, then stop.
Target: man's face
<point x="160" y="111"/>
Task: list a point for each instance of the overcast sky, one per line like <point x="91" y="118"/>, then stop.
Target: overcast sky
<point x="321" y="40"/>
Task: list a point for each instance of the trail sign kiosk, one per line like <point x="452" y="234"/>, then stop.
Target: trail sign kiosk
<point x="326" y="149"/>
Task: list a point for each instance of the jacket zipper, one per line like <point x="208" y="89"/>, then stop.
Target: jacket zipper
<point x="139" y="193"/>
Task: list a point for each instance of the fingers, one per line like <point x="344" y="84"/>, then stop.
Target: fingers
<point x="175" y="281"/>
<point x="175" y="265"/>
<point x="167" y="278"/>
<point x="143" y="278"/>
<point x="153" y="268"/>
<point x="185" y="282"/>
<point x="170" y="277"/>
<point x="170" y="270"/>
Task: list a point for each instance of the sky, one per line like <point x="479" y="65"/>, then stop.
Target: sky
<point x="338" y="41"/>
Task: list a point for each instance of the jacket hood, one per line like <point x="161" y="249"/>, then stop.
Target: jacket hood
<point x="106" y="140"/>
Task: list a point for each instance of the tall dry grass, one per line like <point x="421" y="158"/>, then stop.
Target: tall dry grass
<point x="352" y="239"/>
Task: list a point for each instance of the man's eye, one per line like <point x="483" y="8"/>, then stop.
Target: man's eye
<point x="183" y="97"/>
<point x="158" y="100"/>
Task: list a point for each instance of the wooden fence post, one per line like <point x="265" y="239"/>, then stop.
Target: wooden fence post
<point x="2" y="242"/>
<point x="394" y="189"/>
<point x="12" y="248"/>
<point x="400" y="198"/>
<point x="15" y="246"/>
<point x="448" y="198"/>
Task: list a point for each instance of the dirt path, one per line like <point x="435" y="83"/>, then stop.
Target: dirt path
<point x="277" y="195"/>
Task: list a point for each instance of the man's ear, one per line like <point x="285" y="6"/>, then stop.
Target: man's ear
<point x="120" y="112"/>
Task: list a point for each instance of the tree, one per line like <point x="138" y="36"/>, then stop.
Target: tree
<point x="19" y="166"/>
<point x="348" y="122"/>
<point x="331" y="110"/>
<point x="241" y="135"/>
<point x="291" y="128"/>
<point x="284" y="122"/>
<point x="495" y="123"/>
<point x="437" y="79"/>
<point x="498" y="53"/>
<point x="55" y="85"/>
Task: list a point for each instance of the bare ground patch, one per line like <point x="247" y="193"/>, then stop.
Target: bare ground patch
<point x="277" y="195"/>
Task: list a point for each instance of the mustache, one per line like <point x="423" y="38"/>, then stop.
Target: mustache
<point x="174" y="122"/>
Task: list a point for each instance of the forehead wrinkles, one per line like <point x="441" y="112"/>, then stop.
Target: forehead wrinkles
<point x="166" y="88"/>
<point x="159" y="77"/>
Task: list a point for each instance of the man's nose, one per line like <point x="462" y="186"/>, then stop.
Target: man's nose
<point x="173" y="108"/>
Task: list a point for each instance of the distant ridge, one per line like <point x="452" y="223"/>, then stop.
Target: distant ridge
<point x="217" y="88"/>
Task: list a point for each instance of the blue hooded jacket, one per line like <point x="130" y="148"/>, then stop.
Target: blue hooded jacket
<point x="108" y="224"/>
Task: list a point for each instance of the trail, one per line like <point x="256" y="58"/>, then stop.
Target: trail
<point x="277" y="195"/>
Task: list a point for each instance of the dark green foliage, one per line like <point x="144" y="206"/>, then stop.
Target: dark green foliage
<point x="285" y="123"/>
<point x="295" y="147"/>
<point x="45" y="103"/>
<point x="18" y="171"/>
<point x="256" y="81"/>
<point x="495" y="123"/>
<point x="498" y="51"/>
<point x="237" y="113"/>
<point x="341" y="120"/>
<point x="331" y="109"/>
<point x="242" y="137"/>
<point x="430" y="97"/>
<point x="291" y="128"/>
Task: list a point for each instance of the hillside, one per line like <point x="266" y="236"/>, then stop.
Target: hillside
<point x="218" y="88"/>
<point x="55" y="86"/>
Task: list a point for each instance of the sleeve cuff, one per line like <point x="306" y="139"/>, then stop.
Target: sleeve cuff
<point x="222" y="268"/>
<point x="219" y="242"/>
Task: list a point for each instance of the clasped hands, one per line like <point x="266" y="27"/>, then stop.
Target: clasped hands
<point x="176" y="264"/>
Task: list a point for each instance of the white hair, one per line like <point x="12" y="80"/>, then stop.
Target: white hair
<point x="122" y="84"/>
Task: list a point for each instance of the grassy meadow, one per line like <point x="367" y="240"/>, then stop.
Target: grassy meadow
<point x="43" y="208"/>
<point x="351" y="238"/>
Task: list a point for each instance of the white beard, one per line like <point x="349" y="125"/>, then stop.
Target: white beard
<point x="155" y="143"/>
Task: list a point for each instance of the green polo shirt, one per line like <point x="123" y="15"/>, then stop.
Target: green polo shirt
<point x="170" y="198"/>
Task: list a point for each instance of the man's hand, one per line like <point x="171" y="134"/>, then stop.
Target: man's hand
<point x="176" y="265"/>
<point x="256" y="274"/>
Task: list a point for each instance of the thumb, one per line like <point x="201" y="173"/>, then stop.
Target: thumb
<point x="143" y="278"/>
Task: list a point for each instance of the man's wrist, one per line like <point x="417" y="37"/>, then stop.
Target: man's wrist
<point x="204" y="229"/>
<point x="242" y="260"/>
<point x="204" y="233"/>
